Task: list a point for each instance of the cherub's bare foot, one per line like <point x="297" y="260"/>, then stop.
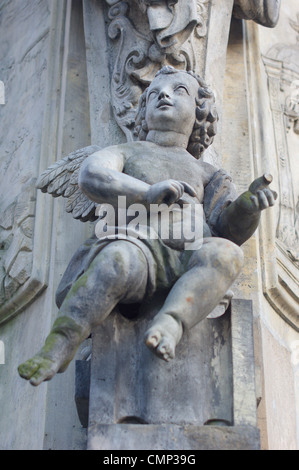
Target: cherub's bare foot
<point x="163" y="336"/>
<point x="58" y="351"/>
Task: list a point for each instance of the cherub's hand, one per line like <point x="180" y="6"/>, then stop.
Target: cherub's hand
<point x="168" y="192"/>
<point x="259" y="196"/>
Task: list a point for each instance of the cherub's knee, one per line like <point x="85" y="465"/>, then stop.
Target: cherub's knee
<point x="221" y="254"/>
<point x="124" y="264"/>
<point x="232" y="258"/>
<point x="115" y="260"/>
<point x="228" y="257"/>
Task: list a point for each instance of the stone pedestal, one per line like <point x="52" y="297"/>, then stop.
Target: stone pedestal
<point x="173" y="437"/>
<point x="203" y="399"/>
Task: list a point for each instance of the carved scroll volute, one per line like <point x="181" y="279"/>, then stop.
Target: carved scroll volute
<point x="146" y="35"/>
<point x="132" y="49"/>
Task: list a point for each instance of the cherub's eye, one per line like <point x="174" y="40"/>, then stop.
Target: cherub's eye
<point x="182" y="88"/>
<point x="152" y="94"/>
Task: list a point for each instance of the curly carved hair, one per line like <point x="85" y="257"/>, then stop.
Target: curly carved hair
<point x="205" y="126"/>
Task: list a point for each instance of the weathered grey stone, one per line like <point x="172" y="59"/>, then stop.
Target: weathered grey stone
<point x="265" y="12"/>
<point x="212" y="61"/>
<point x="25" y="68"/>
<point x="20" y="269"/>
<point x="211" y="380"/>
<point x="176" y="122"/>
<point x="172" y="437"/>
<point x="82" y="386"/>
<point x="192" y="389"/>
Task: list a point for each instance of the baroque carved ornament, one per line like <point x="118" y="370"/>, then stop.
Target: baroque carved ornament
<point x="143" y="47"/>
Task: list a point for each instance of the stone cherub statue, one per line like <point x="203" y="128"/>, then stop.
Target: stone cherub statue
<point x="175" y="123"/>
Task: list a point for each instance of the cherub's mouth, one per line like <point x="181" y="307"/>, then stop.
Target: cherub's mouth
<point x="164" y="102"/>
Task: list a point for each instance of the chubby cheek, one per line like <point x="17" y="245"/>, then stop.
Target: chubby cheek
<point x="188" y="117"/>
<point x="150" y="116"/>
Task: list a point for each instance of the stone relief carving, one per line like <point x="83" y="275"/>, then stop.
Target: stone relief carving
<point x="292" y="107"/>
<point x="150" y="34"/>
<point x="282" y="67"/>
<point x="281" y="277"/>
<point x="143" y="47"/>
<point x="16" y="242"/>
<point x="30" y="142"/>
<point x="292" y="101"/>
<point x="24" y="255"/>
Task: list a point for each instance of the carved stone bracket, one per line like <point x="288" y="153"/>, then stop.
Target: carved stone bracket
<point x="147" y="36"/>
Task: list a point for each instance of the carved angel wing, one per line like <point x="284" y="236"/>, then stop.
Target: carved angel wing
<point x="61" y="179"/>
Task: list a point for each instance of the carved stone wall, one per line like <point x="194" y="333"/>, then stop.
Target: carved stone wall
<point x="279" y="237"/>
<point x="45" y="115"/>
<point x="27" y="145"/>
<point x="281" y="63"/>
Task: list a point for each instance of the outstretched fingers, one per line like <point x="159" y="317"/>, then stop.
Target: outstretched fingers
<point x="263" y="199"/>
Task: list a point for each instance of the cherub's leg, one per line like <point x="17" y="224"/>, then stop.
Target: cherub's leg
<point x="118" y="273"/>
<point x="211" y="271"/>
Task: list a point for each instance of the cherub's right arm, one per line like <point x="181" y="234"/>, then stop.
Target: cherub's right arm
<point x="103" y="181"/>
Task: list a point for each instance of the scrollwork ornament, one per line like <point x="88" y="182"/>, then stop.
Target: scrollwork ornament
<point x="202" y="12"/>
<point x="165" y="38"/>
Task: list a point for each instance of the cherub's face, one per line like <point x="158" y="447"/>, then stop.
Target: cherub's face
<point x="171" y="104"/>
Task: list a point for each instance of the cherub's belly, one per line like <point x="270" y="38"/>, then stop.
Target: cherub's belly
<point x="179" y="228"/>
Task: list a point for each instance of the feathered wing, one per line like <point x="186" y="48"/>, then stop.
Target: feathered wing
<point x="61" y="179"/>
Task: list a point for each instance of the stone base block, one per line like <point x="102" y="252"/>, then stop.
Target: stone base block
<point x="172" y="437"/>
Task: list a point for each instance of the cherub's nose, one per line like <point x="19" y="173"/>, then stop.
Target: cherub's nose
<point x="163" y="94"/>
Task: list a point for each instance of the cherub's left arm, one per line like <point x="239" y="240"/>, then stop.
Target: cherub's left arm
<point x="239" y="220"/>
